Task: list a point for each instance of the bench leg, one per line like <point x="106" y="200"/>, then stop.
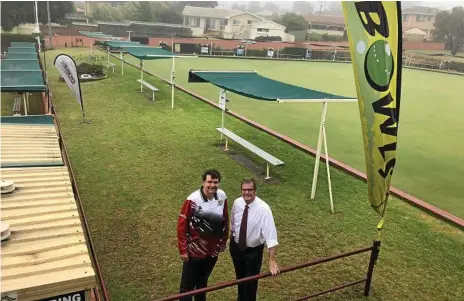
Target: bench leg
<point x="141" y="87"/>
<point x="226" y="149"/>
<point x="267" y="172"/>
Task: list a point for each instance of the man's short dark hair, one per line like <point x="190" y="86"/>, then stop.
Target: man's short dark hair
<point x="248" y="181"/>
<point x="215" y="174"/>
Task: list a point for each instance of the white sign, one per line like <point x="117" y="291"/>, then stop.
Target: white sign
<point x="270" y="53"/>
<point x="67" y="67"/>
<point x="222" y="100"/>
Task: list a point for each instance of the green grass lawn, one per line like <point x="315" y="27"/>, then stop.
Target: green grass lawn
<point x="138" y="161"/>
<point x="34" y="106"/>
<point x="429" y="156"/>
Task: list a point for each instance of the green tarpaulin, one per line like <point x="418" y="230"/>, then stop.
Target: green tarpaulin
<point x="21" y="56"/>
<point x="11" y="65"/>
<point x="22" y="81"/>
<point x="251" y="84"/>
<point x="149" y="53"/>
<point x="15" y="49"/>
<point x="97" y="35"/>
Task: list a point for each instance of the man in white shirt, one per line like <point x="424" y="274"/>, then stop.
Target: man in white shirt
<point x="252" y="225"/>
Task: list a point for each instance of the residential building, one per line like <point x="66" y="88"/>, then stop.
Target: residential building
<point x="420" y="17"/>
<point x="232" y="24"/>
<point x="330" y="25"/>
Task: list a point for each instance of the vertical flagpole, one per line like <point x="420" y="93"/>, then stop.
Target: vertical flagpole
<point x="318" y="154"/>
<point x="173" y="71"/>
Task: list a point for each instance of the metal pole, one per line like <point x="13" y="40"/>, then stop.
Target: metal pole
<point x="328" y="169"/>
<point x="318" y="154"/>
<point x="141" y="75"/>
<point x="122" y="61"/>
<point x="374" y="255"/>
<point x="50" y="44"/>
<point x="37" y="26"/>
<point x="173" y="71"/>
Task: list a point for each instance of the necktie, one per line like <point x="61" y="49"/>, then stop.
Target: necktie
<point x="243" y="230"/>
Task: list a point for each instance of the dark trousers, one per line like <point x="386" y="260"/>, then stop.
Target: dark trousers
<point x="195" y="274"/>
<point x="246" y="263"/>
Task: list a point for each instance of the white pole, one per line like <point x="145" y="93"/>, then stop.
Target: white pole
<point x="122" y="61"/>
<point x="141" y="75"/>
<point x="223" y="109"/>
<point x="318" y="154"/>
<point x="37" y="29"/>
<point x="173" y="71"/>
<point x="25" y="105"/>
<point x="108" y="52"/>
<point x="327" y="164"/>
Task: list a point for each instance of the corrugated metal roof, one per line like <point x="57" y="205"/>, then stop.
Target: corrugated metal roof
<point x="422" y="10"/>
<point x="46" y="254"/>
<point x="209" y="12"/>
<point x="27" y="144"/>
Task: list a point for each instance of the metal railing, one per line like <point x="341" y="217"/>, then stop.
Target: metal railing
<point x="375" y="249"/>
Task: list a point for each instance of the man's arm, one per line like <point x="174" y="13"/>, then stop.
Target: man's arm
<point x="225" y="216"/>
<point x="182" y="229"/>
<point x="270" y="235"/>
<point x="273" y="267"/>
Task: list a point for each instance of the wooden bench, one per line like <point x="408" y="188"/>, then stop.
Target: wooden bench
<point x="270" y="159"/>
<point x="17" y="107"/>
<point x="144" y="83"/>
<point x="110" y="65"/>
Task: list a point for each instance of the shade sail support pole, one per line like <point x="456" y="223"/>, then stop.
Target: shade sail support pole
<point x="173" y="75"/>
<point x="223" y="94"/>
<point x="318" y="152"/>
<point x="141" y="75"/>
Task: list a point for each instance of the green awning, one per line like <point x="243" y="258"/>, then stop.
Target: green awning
<point x="149" y="53"/>
<point x="22" y="44"/>
<point x="15" y="55"/>
<point x="15" y="49"/>
<point x="253" y="85"/>
<point x="22" y="81"/>
<point x="11" y="65"/>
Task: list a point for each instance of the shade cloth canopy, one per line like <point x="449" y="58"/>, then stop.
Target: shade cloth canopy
<point x="22" y="81"/>
<point x="18" y="65"/>
<point x="23" y="44"/>
<point x="253" y="85"/>
<point x="97" y="35"/>
<point x="119" y="44"/>
<point x="149" y="53"/>
<point x="21" y="56"/>
<point x="15" y="49"/>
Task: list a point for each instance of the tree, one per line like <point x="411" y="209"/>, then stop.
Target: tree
<point x="302" y="8"/>
<point x="179" y="5"/>
<point x="254" y="6"/>
<point x="292" y="22"/>
<point x="170" y="15"/>
<point x="15" y="13"/>
<point x="449" y="27"/>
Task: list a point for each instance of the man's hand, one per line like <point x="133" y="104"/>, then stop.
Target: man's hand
<point x="273" y="268"/>
<point x="184" y="257"/>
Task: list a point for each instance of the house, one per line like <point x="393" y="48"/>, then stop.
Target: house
<point x="232" y="24"/>
<point x="414" y="35"/>
<point x="420" y="17"/>
<point x="330" y="25"/>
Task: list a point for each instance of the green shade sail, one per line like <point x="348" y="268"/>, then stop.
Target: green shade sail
<point x="149" y="53"/>
<point x="15" y="49"/>
<point x="22" y="81"/>
<point x="23" y="44"/>
<point x="253" y="85"/>
<point x="119" y="44"/>
<point x="97" y="35"/>
<point x="15" y="55"/>
<point x="18" y="65"/>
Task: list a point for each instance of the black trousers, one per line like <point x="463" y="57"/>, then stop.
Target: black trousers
<point x="246" y="263"/>
<point x="195" y="274"/>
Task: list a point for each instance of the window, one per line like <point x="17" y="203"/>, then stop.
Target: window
<point x="224" y="22"/>
<point x="420" y="18"/>
<point x="405" y="18"/>
<point x="249" y="22"/>
<point x="429" y="18"/>
<point x="236" y="22"/>
<point x="197" y="22"/>
<point x="263" y="29"/>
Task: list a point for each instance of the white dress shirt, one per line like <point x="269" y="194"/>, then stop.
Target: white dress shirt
<point x="260" y="225"/>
